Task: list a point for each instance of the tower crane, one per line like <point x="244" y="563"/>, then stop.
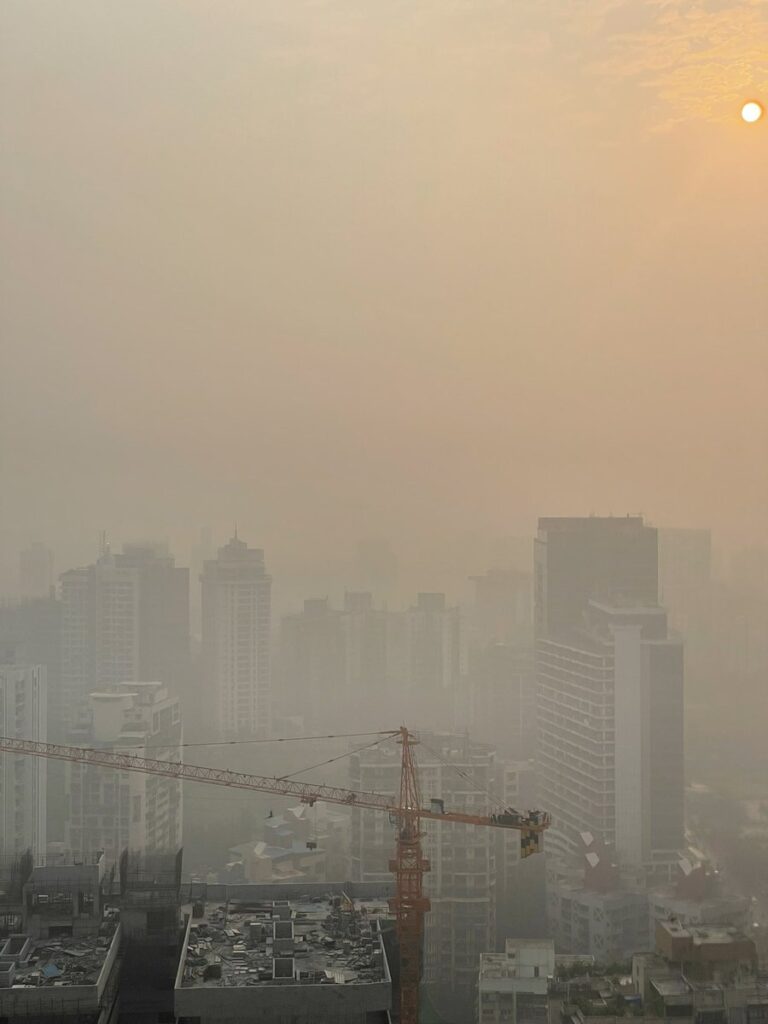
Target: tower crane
<point x="409" y="904"/>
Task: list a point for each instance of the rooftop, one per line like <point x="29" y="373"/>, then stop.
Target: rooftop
<point x="308" y="941"/>
<point x="671" y="986"/>
<point x="27" y="963"/>
<point x="701" y="935"/>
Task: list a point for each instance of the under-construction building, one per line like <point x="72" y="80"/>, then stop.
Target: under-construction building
<point x="150" y="916"/>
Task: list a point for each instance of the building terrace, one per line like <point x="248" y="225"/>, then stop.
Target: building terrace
<point x="313" y="956"/>
<point x="265" y="942"/>
<point x="57" y="975"/>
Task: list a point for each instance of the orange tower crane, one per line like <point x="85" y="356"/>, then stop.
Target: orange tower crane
<point x="409" y="904"/>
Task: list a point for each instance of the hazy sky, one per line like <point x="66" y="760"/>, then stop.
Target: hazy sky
<point x="425" y="269"/>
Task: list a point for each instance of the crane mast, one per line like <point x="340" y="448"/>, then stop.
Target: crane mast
<point x="409" y="904"/>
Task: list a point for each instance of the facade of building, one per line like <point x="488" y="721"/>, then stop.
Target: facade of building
<point x="236" y="619"/>
<point x="609" y="694"/>
<point x="701" y="975"/>
<point x="513" y="986"/>
<point x="576" y="739"/>
<point x="124" y="618"/>
<point x="594" y="558"/>
<point x="648" y="708"/>
<point x="434" y="664"/>
<point x="99" y="634"/>
<point x="502" y="681"/>
<point x="367" y="669"/>
<point x="23" y="804"/>
<point x="30" y="633"/>
<point x="110" y="810"/>
<point x="610" y="926"/>
<point x="163" y="613"/>
<point x="311" y="663"/>
<point x="334" y="664"/>
<point x="463" y="876"/>
<point x="610" y="713"/>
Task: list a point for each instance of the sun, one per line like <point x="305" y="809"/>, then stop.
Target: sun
<point x="752" y="111"/>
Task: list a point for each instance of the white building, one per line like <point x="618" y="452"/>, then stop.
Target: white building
<point x="513" y="985"/>
<point x="236" y="604"/>
<point x="23" y="779"/>
<point x="648" y="696"/>
<point x="610" y="710"/>
<point x="111" y="810"/>
<point x="609" y="926"/>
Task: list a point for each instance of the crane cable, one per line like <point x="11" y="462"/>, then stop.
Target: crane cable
<point x="330" y="760"/>
<point x="232" y="743"/>
<point x="465" y="775"/>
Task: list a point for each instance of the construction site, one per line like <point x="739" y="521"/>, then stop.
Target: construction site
<point x="83" y="945"/>
<point x="150" y="913"/>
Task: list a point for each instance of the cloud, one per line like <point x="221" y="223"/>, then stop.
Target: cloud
<point x="700" y="59"/>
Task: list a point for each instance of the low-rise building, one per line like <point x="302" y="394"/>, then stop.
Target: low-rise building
<point x="513" y="986"/>
<point x="710" y="951"/>
<point x="706" y="975"/>
<point x="610" y="926"/>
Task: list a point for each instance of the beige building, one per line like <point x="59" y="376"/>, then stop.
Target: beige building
<point x="23" y="779"/>
<point x="111" y="810"/>
<point x="236" y="596"/>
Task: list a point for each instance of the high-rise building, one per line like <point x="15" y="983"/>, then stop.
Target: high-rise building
<point x="501" y="674"/>
<point x="610" y="717"/>
<point x="576" y="739"/>
<point x="602" y="558"/>
<point x="35" y="571"/>
<point x="434" y="671"/>
<point x="99" y="633"/>
<point x="23" y="779"/>
<point x="30" y="631"/>
<point x="163" y="614"/>
<point x="124" y="618"/>
<point x="367" y="669"/>
<point x="648" y="709"/>
<point x="686" y="591"/>
<point x="110" y="810"/>
<point x="311" y="664"/>
<point x="334" y="663"/>
<point x="609" y="694"/>
<point x="502" y="679"/>
<point x="236" y="609"/>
